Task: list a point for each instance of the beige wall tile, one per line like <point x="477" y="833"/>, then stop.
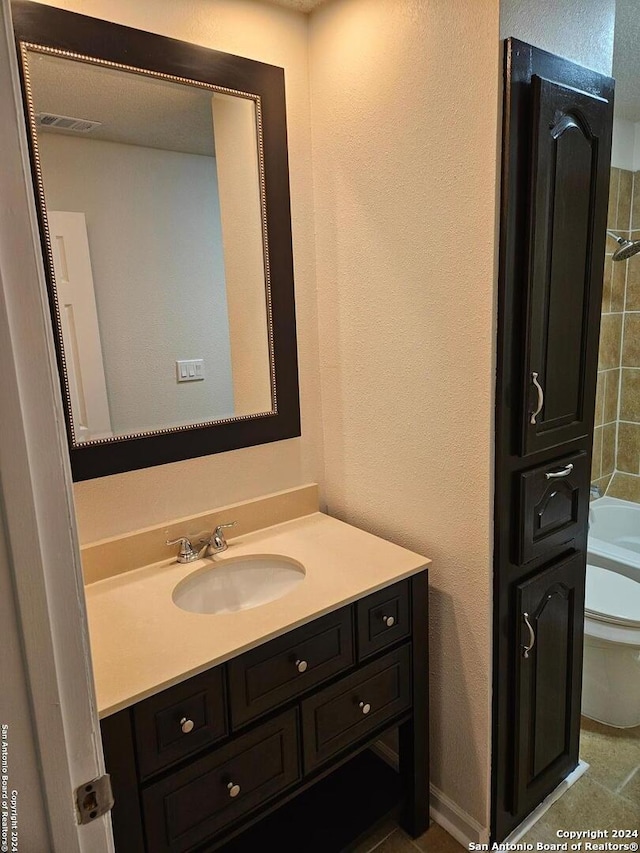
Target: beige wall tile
<point x="608" y="449"/>
<point x="625" y="486"/>
<point x="633" y="281"/>
<point x="624" y="199"/>
<point x="610" y="341"/>
<point x="596" y="458"/>
<point x="612" y="384"/>
<point x="635" y="208"/>
<point x="628" y="456"/>
<point x="631" y="349"/>
<point x="606" y="285"/>
<point x="630" y="395"/>
<point x="600" y="391"/>
<point x="618" y="285"/>
<point x="612" y="215"/>
<point x="603" y="483"/>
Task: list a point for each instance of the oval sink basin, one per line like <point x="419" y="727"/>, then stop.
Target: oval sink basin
<point x="238" y="584"/>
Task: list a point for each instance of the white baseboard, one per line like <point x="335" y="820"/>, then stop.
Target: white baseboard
<point x="464" y="828"/>
<point x="461" y="826"/>
<point x="546" y="804"/>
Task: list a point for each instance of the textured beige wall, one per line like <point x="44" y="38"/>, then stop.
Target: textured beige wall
<point x="405" y="121"/>
<point x="579" y="30"/>
<point x="120" y="503"/>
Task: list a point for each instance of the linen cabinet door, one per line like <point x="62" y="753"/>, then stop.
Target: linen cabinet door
<point x="567" y="222"/>
<point x="549" y="678"/>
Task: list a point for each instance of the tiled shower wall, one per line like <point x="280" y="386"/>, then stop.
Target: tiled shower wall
<point x="616" y="445"/>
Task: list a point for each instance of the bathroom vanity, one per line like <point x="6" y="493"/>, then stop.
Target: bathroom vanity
<point x="195" y="764"/>
<point x="217" y="726"/>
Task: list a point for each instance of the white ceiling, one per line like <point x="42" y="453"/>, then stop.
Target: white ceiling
<point x="133" y="109"/>
<point x="626" y="60"/>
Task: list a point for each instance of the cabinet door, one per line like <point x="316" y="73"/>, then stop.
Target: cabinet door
<point x="549" y="678"/>
<point x="569" y="182"/>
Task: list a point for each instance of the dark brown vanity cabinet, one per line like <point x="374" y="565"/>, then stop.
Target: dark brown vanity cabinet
<point x="195" y="766"/>
<point x="555" y="179"/>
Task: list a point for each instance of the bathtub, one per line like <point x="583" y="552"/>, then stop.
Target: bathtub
<point x="611" y="675"/>
<point x="614" y="534"/>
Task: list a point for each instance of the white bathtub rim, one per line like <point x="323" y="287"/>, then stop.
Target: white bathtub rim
<point x="608" y="556"/>
<point x="602" y="549"/>
<point x="602" y="631"/>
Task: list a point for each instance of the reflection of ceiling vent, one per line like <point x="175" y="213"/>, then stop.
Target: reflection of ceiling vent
<point x="78" y="125"/>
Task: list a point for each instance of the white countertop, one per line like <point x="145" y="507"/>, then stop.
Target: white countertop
<point x="141" y="642"/>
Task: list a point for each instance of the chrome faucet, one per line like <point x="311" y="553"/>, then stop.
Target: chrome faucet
<point x="595" y="491"/>
<point x="216" y="544"/>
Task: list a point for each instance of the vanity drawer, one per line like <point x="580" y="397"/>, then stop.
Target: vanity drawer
<point x="554" y="501"/>
<point x="193" y="804"/>
<point x="383" y="618"/>
<point x="180" y="721"/>
<point x="271" y="674"/>
<point x="340" y="715"/>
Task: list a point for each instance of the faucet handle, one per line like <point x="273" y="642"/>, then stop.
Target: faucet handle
<point x="187" y="553"/>
<point x="221" y="527"/>
<point x="216" y="543"/>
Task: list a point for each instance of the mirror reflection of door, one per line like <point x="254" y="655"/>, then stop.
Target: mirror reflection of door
<point x="167" y="177"/>
<point x="79" y="320"/>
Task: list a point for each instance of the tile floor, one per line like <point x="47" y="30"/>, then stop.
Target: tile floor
<point x="389" y="838"/>
<point x="606" y="797"/>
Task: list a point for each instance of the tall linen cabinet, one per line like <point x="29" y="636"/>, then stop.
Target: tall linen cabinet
<point x="558" y="120"/>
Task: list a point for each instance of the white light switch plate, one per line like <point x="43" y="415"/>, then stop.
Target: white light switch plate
<point x="190" y="370"/>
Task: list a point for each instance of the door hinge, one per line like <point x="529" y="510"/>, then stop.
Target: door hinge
<point x="94" y="798"/>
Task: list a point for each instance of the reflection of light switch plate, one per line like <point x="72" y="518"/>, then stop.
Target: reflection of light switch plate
<point x="190" y="370"/>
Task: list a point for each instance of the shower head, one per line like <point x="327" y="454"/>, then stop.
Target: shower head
<point x="626" y="248"/>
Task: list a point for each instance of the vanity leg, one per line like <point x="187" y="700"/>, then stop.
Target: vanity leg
<point x="414" y="734"/>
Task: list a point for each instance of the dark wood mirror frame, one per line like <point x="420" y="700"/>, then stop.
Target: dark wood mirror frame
<point x="91" y="37"/>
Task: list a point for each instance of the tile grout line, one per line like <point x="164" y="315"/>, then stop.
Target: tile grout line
<point x="619" y="789"/>
<point x="382" y="840"/>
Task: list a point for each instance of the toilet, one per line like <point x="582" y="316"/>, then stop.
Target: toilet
<point x="611" y="673"/>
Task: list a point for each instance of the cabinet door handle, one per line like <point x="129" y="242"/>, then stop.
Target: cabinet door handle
<point x="365" y="707"/>
<point x="555" y="475"/>
<point x="233" y="789"/>
<point x="186" y="725"/>
<point x="301" y="665"/>
<point x="389" y="621"/>
<point x="538" y="387"/>
<point x="532" y="636"/>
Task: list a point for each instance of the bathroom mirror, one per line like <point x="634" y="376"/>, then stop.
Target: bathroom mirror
<point x="162" y="186"/>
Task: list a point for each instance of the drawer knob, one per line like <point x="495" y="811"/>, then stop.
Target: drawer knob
<point x="365" y="707"/>
<point x="301" y="665"/>
<point x="233" y="789"/>
<point x="186" y="725"/>
<point x="389" y="621"/>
